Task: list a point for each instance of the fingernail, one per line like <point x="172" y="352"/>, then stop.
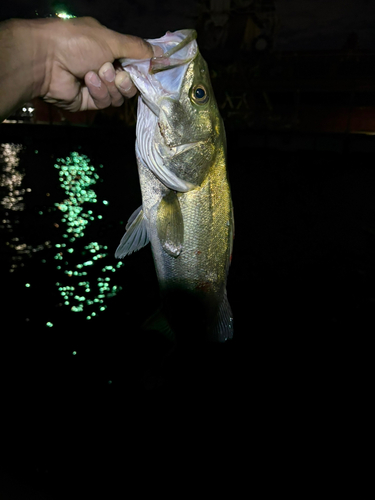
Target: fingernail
<point x="124" y="82"/>
<point x="95" y="80"/>
<point x="109" y="74"/>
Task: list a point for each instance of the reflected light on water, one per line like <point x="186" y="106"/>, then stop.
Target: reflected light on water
<point x="12" y="201"/>
<point x="11" y="178"/>
<point x="80" y="266"/>
<point x="85" y="283"/>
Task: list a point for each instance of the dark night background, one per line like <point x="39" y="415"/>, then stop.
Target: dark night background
<point x="297" y="97"/>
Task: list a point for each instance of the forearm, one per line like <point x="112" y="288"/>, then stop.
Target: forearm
<point x="22" y="62"/>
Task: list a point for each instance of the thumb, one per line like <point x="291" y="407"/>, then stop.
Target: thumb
<point x="129" y="46"/>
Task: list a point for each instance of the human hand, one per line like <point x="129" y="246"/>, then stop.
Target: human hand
<point x="79" y="71"/>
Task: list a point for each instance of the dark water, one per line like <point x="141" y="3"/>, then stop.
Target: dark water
<point x="83" y="396"/>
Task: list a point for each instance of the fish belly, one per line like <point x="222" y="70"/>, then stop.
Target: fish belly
<point x="193" y="284"/>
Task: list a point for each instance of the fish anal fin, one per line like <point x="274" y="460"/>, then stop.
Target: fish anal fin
<point x="136" y="235"/>
<point x="170" y="226"/>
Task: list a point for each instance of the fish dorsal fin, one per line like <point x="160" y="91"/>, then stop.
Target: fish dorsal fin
<point x="135" y="237"/>
<point x="170" y="226"/>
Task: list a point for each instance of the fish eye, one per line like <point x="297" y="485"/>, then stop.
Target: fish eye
<point x="199" y="94"/>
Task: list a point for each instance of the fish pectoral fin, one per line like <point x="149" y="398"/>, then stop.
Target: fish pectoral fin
<point x="170" y="225"/>
<point x="136" y="235"/>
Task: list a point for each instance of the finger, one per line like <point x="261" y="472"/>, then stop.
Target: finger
<point x="125" y="85"/>
<point x="107" y="74"/>
<point x="87" y="102"/>
<point x="98" y="91"/>
<point x="158" y="51"/>
<point x="129" y="46"/>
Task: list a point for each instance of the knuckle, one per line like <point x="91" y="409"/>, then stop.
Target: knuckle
<point x="90" y="21"/>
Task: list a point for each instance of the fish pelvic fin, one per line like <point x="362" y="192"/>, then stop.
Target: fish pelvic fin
<point x="170" y="225"/>
<point x="223" y="328"/>
<point x="136" y="235"/>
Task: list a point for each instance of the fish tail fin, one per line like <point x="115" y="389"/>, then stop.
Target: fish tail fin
<point x="223" y="327"/>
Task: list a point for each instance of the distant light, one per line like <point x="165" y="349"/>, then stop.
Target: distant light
<point x="49" y="324"/>
<point x="64" y="15"/>
<point x="74" y="353"/>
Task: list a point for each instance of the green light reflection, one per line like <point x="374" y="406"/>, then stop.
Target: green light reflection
<point x="77" y="177"/>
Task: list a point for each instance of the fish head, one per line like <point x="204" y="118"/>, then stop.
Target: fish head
<point x="179" y="126"/>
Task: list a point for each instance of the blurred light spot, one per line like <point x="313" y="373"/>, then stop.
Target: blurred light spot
<point x="64" y="15"/>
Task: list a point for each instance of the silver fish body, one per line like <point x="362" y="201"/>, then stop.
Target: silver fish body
<point x="186" y="211"/>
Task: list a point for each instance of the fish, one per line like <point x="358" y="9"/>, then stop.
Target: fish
<point x="187" y="211"/>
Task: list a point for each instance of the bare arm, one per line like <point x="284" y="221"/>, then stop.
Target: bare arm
<point x="66" y="62"/>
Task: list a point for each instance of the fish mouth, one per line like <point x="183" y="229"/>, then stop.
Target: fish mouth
<point x="166" y="61"/>
<point x="162" y="76"/>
